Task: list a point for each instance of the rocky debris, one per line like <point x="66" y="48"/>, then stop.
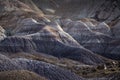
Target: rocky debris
<point x="20" y="75"/>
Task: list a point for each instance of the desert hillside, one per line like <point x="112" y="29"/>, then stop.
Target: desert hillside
<point x="59" y="40"/>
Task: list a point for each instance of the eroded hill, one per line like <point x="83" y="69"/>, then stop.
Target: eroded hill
<point x="59" y="40"/>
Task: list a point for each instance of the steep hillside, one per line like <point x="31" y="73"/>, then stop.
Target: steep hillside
<point x="33" y="36"/>
<point x="12" y="11"/>
<point x="59" y="39"/>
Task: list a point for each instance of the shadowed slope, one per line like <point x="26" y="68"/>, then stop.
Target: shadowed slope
<point x="76" y="9"/>
<point x="113" y="50"/>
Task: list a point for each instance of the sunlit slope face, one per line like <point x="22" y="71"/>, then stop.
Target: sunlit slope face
<point x="98" y="9"/>
<point x="11" y="5"/>
<point x="12" y="11"/>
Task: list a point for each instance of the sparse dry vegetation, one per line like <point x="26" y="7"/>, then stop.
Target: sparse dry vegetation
<point x="20" y="75"/>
